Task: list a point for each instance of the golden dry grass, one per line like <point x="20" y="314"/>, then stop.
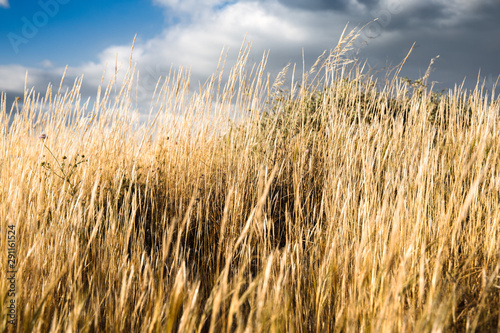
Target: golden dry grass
<point x="342" y="206"/>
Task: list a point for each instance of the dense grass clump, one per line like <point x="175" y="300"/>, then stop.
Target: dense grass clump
<point x="340" y="205"/>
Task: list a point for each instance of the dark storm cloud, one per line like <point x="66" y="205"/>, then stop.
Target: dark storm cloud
<point x="465" y="37"/>
<point x="464" y="34"/>
<point x="420" y="17"/>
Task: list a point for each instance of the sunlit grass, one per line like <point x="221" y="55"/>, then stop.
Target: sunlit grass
<point x="333" y="204"/>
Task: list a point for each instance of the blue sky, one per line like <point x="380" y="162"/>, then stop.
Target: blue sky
<point x="89" y="35"/>
<point x="75" y="31"/>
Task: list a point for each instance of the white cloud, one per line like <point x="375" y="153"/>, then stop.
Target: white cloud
<point x="47" y="64"/>
<point x="4" y="3"/>
<point x="269" y="26"/>
<point x="13" y="77"/>
<point x="190" y="5"/>
<point x="197" y="44"/>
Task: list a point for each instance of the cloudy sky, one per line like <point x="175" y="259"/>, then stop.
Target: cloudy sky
<point x="42" y="37"/>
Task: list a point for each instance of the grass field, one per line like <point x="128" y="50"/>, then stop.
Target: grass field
<point x="319" y="201"/>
